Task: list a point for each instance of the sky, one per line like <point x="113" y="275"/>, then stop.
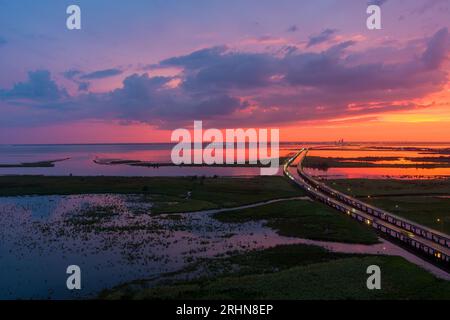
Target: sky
<point x="139" y="69"/>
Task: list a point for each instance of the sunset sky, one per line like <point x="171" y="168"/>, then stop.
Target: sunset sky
<point x="139" y="69"/>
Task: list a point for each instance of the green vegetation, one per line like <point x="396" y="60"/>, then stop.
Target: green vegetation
<point x="305" y="219"/>
<point x="168" y="194"/>
<point x="299" y="272"/>
<point x="391" y="187"/>
<point x="281" y="257"/>
<point x="429" y="211"/>
<point x="422" y="201"/>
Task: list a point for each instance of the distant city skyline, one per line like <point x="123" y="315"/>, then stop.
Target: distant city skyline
<point x="139" y="69"/>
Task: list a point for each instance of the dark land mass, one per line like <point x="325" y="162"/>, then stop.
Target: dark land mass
<point x="38" y="164"/>
<point x="139" y="163"/>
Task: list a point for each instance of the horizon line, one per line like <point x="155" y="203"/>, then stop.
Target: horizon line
<point x="149" y="143"/>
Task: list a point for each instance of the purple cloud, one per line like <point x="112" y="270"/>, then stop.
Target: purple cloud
<point x="71" y="74"/>
<point x="431" y="4"/>
<point x="322" y="37"/>
<point x="38" y="87"/>
<point x="437" y="49"/>
<point x="376" y="2"/>
<point x="293" y="28"/>
<point x="216" y="84"/>
<point x="83" y="86"/>
<point x="101" y="74"/>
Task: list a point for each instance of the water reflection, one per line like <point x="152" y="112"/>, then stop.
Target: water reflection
<point x="81" y="160"/>
<point x="116" y="239"/>
<point x="380" y="173"/>
<point x="113" y="238"/>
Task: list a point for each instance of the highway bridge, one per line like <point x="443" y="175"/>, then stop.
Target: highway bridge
<point x="420" y="239"/>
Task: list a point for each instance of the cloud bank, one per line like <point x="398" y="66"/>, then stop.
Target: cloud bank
<point x="229" y="88"/>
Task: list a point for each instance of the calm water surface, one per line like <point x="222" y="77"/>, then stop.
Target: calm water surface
<point x="82" y="158"/>
<point x="403" y="152"/>
<point x="41" y="235"/>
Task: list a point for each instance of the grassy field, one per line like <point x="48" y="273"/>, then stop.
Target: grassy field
<point x="305" y="219"/>
<point x="391" y="187"/>
<point x="299" y="272"/>
<point x="433" y="212"/>
<point x="168" y="194"/>
<point x="422" y="201"/>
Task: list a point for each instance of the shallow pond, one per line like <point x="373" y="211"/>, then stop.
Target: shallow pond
<point x="115" y="239"/>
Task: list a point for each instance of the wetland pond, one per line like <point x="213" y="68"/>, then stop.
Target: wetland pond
<point x="116" y="239"/>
